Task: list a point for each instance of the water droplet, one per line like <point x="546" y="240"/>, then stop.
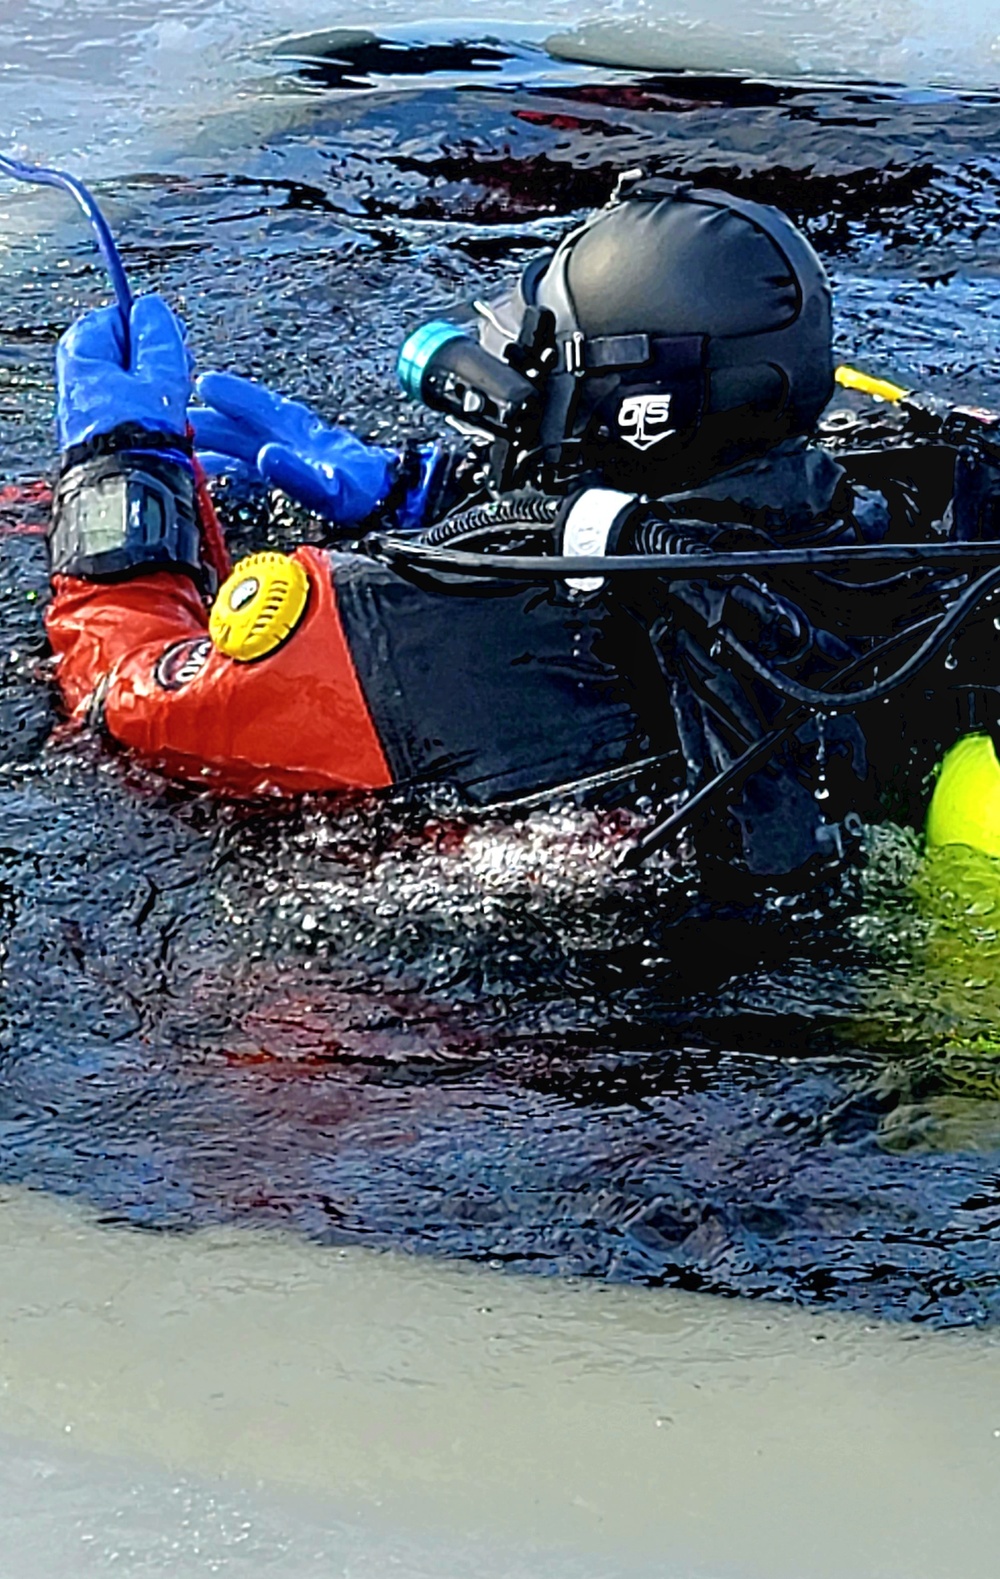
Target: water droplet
<point x="951" y="662"/>
<point x="821" y="792"/>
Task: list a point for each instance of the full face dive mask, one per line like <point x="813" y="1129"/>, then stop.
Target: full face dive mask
<point x="672" y="334"/>
<point x="491" y="383"/>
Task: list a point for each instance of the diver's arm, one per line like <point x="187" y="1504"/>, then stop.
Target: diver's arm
<point x="125" y="533"/>
<point x="136" y="656"/>
<point x="128" y="622"/>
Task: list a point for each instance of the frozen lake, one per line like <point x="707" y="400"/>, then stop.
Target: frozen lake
<point x="248" y="1065"/>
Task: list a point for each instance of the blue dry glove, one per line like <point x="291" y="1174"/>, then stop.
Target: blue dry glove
<point x="97" y="394"/>
<point x="326" y="469"/>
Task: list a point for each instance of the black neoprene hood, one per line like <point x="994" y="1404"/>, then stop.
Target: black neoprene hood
<point x="692" y="328"/>
<point x="682" y="267"/>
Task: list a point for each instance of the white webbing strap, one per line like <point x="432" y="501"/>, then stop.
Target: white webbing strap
<point x="587" y="530"/>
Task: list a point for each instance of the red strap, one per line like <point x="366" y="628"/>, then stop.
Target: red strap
<point x="213" y="542"/>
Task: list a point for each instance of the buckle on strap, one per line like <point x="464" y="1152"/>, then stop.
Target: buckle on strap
<point x="678" y="354"/>
<point x="573" y="352"/>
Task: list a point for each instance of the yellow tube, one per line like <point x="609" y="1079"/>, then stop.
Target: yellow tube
<point x="879" y="388"/>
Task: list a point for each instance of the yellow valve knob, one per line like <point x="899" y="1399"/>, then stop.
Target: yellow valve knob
<point x="258" y="606"/>
<point x="965" y="806"/>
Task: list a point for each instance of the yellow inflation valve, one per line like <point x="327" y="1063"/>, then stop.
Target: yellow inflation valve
<point x="879" y="388"/>
<point x="965" y="806"/>
<point x="259" y="606"/>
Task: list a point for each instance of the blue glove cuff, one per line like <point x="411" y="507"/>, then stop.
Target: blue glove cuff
<point x="425" y="473"/>
<point x="131" y="436"/>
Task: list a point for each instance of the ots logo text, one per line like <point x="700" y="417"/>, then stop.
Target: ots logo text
<point x="643" y="420"/>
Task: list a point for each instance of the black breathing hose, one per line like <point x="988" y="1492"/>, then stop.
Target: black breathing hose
<point x="947" y="624"/>
<point x="806" y="699"/>
<point x="657" y="536"/>
<point x="680" y="818"/>
<point x="520" y="509"/>
<point x="678" y="566"/>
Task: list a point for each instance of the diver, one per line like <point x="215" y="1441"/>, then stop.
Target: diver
<point x="652" y="386"/>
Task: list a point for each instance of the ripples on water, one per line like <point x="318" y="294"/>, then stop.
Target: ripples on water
<point x="384" y="1024"/>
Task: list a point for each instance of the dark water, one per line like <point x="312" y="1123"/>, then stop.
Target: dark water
<point x="379" y="1023"/>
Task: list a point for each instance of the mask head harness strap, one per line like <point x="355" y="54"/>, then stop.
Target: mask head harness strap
<point x="671" y="366"/>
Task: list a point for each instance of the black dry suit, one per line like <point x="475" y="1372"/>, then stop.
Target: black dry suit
<point x="555" y="680"/>
<point x="684" y="336"/>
